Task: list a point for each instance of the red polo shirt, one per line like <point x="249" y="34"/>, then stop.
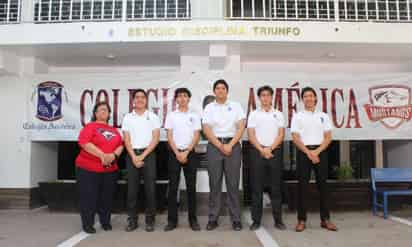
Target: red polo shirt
<point x="103" y="136"/>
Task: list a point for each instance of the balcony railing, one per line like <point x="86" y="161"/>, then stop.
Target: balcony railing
<point x="322" y="10"/>
<point x="51" y="11"/>
<point x="376" y="10"/>
<point x="9" y="11"/>
<point x="109" y="10"/>
<point x="158" y="9"/>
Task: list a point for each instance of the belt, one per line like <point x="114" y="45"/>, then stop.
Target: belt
<point x="139" y="150"/>
<point x="224" y="140"/>
<point x="311" y="147"/>
<point x="182" y="150"/>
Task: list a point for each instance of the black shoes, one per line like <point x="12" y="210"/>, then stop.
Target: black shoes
<point x="89" y="229"/>
<point x="211" y="225"/>
<point x="195" y="226"/>
<point x="170" y="227"/>
<point x="132" y="225"/>
<point x="237" y="226"/>
<point x="149" y="227"/>
<point x="254" y="226"/>
<point x="280" y="225"/>
<point x="107" y="227"/>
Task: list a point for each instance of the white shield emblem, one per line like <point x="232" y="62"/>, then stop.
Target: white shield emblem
<point x="389" y="104"/>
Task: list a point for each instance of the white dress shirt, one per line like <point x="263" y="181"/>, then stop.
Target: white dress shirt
<point x="266" y="125"/>
<point x="183" y="126"/>
<point x="140" y="128"/>
<point x="222" y="118"/>
<point x="311" y="126"/>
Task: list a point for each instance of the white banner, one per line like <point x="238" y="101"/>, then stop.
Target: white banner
<point x="361" y="107"/>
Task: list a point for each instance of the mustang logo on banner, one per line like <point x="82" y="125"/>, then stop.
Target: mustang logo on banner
<point x="390" y="104"/>
<point x="361" y="106"/>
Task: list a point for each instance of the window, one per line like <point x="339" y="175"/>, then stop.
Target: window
<point x="77" y="10"/>
<point x="379" y="10"/>
<point x="282" y="9"/>
<point x="323" y="10"/>
<point x="161" y="9"/>
<point x="9" y="11"/>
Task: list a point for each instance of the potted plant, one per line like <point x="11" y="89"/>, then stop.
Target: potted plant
<point x="344" y="172"/>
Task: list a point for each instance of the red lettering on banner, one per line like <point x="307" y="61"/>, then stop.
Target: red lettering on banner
<point x="131" y="94"/>
<point x="278" y="99"/>
<point x="291" y="105"/>
<point x="99" y="95"/>
<point x="251" y="104"/>
<point x="115" y="108"/>
<point x="324" y="99"/>
<point x="174" y="104"/>
<point x="164" y="93"/>
<point x="155" y="92"/>
<point x="353" y="111"/>
<point x="82" y="105"/>
<point x="333" y="106"/>
<point x="334" y="95"/>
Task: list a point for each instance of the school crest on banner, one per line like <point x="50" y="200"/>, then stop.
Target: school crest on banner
<point x="49" y="101"/>
<point x="390" y="105"/>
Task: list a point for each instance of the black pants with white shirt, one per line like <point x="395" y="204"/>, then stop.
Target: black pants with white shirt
<point x="260" y="168"/>
<point x="148" y="171"/>
<point x="304" y="169"/>
<point x="189" y="169"/>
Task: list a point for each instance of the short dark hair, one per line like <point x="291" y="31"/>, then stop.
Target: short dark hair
<point x="308" y="89"/>
<point x="220" y="81"/>
<point x="96" y="107"/>
<point x="265" y="88"/>
<point x="139" y="90"/>
<point x="208" y="99"/>
<point x="182" y="90"/>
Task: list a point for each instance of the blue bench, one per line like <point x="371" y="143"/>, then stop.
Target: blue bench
<point x="388" y="175"/>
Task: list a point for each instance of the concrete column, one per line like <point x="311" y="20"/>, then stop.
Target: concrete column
<point x="207" y="9"/>
<point x="124" y="10"/>
<point x="15" y="147"/>
<point x="344" y="149"/>
<point x="43" y="155"/>
<point x="27" y="11"/>
<point x="379" y="154"/>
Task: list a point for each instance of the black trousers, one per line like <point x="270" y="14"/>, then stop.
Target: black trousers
<point x="189" y="170"/>
<point x="259" y="170"/>
<point x="96" y="192"/>
<point x="148" y="171"/>
<point x="304" y="169"/>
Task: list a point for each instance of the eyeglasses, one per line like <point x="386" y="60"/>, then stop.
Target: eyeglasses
<point x="102" y="110"/>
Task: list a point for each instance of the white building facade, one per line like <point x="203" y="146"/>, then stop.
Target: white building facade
<point x="351" y="51"/>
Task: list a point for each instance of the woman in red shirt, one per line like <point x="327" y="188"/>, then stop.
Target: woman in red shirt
<point x="97" y="169"/>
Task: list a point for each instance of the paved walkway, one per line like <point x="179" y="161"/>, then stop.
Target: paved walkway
<point x="43" y="228"/>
